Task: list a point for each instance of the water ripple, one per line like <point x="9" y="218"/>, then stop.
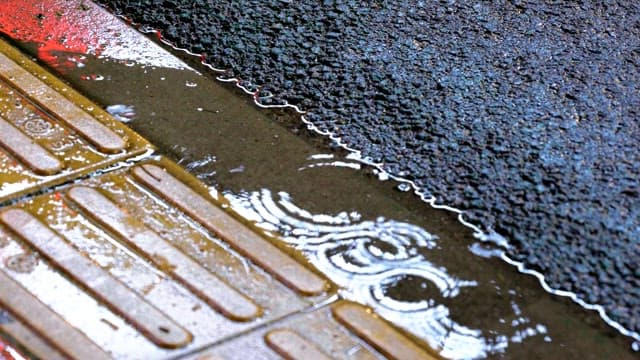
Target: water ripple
<point x="372" y="260"/>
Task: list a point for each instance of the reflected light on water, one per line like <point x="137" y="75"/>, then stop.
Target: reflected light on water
<point x="63" y="34"/>
<point x="384" y="264"/>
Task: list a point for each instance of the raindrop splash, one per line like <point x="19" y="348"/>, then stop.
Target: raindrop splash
<point x="374" y="262"/>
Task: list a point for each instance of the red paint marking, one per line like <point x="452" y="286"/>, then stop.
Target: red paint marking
<point x="60" y="29"/>
<point x="69" y="210"/>
<point x="65" y="33"/>
<point x="5" y="351"/>
<point x="57" y="197"/>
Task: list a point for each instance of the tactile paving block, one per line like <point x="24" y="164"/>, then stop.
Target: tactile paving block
<point x="141" y="263"/>
<point x="22" y="334"/>
<point x="49" y="133"/>
<point x="343" y="330"/>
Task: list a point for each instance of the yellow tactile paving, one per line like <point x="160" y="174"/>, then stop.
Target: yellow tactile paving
<point x="378" y="333"/>
<point x="49" y="133"/>
<point x="144" y="261"/>
<point x="152" y="323"/>
<point x="187" y="271"/>
<point x="245" y="241"/>
<point x="54" y="329"/>
<point x="18" y="333"/>
<point x="317" y="335"/>
<point x="39" y="160"/>
<point x="98" y="134"/>
<point x="128" y="261"/>
<point x="292" y="346"/>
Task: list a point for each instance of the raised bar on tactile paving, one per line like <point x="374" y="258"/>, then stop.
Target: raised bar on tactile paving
<point x="46" y="323"/>
<point x="135" y="234"/>
<point x="27" y="151"/>
<point x="292" y="346"/>
<point x="98" y="134"/>
<point x="241" y="238"/>
<point x="39" y="347"/>
<point x="156" y="326"/>
<point x="377" y="332"/>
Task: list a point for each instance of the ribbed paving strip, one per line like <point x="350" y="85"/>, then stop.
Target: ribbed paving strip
<point x="99" y="135"/>
<point x="156" y="326"/>
<point x="67" y="339"/>
<point x="245" y="241"/>
<point x="135" y="234"/>
<point x="377" y="332"/>
<point x="33" y="342"/>
<point x="39" y="160"/>
<point x="292" y="346"/>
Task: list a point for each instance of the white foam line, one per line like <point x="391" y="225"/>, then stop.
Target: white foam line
<point x="491" y="237"/>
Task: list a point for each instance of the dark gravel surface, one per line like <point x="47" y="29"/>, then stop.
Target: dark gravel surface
<point x="523" y="113"/>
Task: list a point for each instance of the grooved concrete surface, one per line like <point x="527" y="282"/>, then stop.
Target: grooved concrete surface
<point x="522" y="113"/>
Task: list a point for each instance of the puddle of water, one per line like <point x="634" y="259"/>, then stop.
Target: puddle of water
<point x="417" y="266"/>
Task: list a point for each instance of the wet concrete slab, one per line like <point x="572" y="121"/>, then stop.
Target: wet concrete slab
<point x="50" y="134"/>
<point x="140" y="277"/>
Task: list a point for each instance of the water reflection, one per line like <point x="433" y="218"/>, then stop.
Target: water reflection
<point x="65" y="36"/>
<point x="385" y="264"/>
<point x="322" y="160"/>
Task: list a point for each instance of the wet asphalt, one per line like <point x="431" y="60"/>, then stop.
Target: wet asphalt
<point x="525" y="114"/>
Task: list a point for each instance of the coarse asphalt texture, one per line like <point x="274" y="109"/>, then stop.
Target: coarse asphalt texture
<point x="525" y="114"/>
